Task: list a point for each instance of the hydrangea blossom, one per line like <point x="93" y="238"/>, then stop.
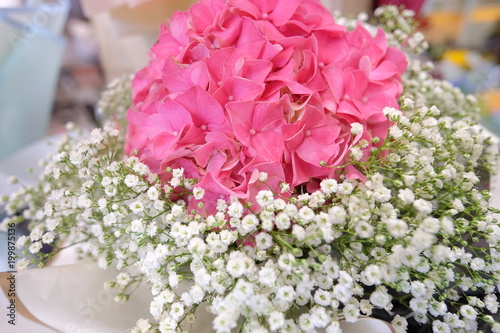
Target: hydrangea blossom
<point x="237" y="88"/>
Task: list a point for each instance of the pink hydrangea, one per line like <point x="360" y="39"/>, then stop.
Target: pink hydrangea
<point x="239" y="87"/>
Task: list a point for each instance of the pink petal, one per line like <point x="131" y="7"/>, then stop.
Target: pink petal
<point x="251" y="40"/>
<point x="204" y="109"/>
<point x="255" y="70"/>
<point x="334" y="76"/>
<point x="176" y="78"/>
<point x="384" y="71"/>
<point x="170" y="117"/>
<point x="283" y="11"/>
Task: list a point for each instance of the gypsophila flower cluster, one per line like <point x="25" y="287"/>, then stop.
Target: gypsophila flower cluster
<point x="420" y="86"/>
<point x="115" y="100"/>
<point x="411" y="240"/>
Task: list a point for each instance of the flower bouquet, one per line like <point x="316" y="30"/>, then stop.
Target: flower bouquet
<point x="291" y="168"/>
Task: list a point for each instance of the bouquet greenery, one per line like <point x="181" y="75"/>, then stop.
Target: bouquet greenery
<point x="295" y="168"/>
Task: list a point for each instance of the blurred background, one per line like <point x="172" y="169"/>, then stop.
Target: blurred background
<point x="56" y="56"/>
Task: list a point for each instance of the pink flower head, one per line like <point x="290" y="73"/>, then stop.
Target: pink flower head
<point x="239" y="87"/>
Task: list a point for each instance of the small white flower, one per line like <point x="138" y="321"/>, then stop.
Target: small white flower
<point x="406" y="196"/>
<point x="197" y="293"/>
<point x="334" y="327"/>
<point x="418" y="289"/>
<point x="153" y="193"/>
<point x="136" y="207"/>
<point x="96" y="136"/>
<point x="491" y="303"/>
<point x="305" y="322"/>
<point x="76" y="157"/>
<point x="198" y="193"/>
<point x="397" y="228"/>
<point x="143" y="325"/>
<point x="356" y="128"/>
<point x="351" y="313"/>
<point x="123" y="279"/>
<point x="174" y="182"/>
<point x="21" y="241"/>
<point x="453" y="320"/>
<point x="176" y="310"/>
<point x="342" y="292"/>
<point x="263" y="176"/>
<point x="477" y="264"/>
<point x="381" y="299"/>
<point x="228" y="236"/>
<point x="422" y="240"/>
<point x="419" y="305"/>
<point x="249" y="223"/>
<point x="431" y="225"/>
<point x="286" y="261"/>
<point x="468" y="312"/>
<point x="11" y="180"/>
<point x="102" y="203"/>
<point x="439" y="327"/>
<point x="438" y="308"/>
<point x="306" y="215"/>
<point x="197" y="246"/>
<point x="178" y="173"/>
<point x="282" y="221"/>
<point x="291" y="210"/>
<point x="364" y="229"/>
<point x="399" y="323"/>
<point x="35" y="247"/>
<point x="48" y="238"/>
<point x="319" y="317"/>
<point x="235" y="210"/>
<point x="337" y="214"/>
<point x="286" y="294"/>
<point x="267" y="276"/>
<point x="168" y="325"/>
<point x="102" y="262"/>
<point x="110" y="191"/>
<point x="423" y="206"/>
<point x="345" y="188"/>
<point x="356" y="153"/>
<point x="236" y="267"/>
<point x="276" y="320"/>
<point x="264" y="198"/>
<point x="263" y="241"/>
<point x="159" y="205"/>
<point x="392" y="113"/>
<point x="131" y="180"/>
<point x="142" y="169"/>
<point x="395" y="132"/>
<point x="322" y="297"/>
<point x="372" y="275"/>
<point x="224" y="322"/>
<point x="137" y="225"/>
<point x="151" y="229"/>
<point x="84" y="201"/>
<point x="329" y="186"/>
<point x="299" y="232"/>
<point x="285" y="187"/>
<point x="22" y="264"/>
<point x="109" y="219"/>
